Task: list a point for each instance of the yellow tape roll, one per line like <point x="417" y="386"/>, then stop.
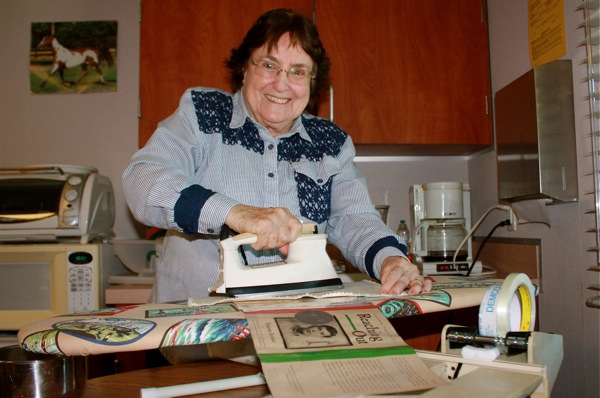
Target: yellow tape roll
<point x="508" y="307"/>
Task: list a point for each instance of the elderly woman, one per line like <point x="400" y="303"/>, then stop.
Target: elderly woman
<point x="255" y="162"/>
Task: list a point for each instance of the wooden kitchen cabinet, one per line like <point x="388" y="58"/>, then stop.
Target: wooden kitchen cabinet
<point x="409" y="75"/>
<point x="184" y="44"/>
<point x="410" y="72"/>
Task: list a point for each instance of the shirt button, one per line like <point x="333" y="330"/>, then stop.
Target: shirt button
<point x="271" y="175"/>
<point x="320" y="181"/>
<point x="271" y="146"/>
<point x="210" y="230"/>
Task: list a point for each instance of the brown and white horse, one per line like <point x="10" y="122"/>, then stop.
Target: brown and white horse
<point x="64" y="58"/>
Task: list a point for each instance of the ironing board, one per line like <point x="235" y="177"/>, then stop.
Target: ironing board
<point x="151" y="326"/>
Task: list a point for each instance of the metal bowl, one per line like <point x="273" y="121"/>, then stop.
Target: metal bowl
<point x="26" y="374"/>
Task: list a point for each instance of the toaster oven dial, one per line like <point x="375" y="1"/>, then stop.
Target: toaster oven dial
<point x="69" y="217"/>
<point x="75" y="180"/>
<point x="71" y="195"/>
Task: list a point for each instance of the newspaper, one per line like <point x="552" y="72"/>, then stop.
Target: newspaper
<point x="343" y="350"/>
<point x="364" y="288"/>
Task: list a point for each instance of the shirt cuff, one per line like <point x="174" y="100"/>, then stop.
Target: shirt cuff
<point x="214" y="213"/>
<point x="382" y="255"/>
<point x="376" y="247"/>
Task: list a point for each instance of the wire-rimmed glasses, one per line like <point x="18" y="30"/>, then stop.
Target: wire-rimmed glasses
<point x="269" y="69"/>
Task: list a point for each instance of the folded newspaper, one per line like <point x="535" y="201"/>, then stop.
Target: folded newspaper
<point x="364" y="288"/>
<point x="343" y="350"/>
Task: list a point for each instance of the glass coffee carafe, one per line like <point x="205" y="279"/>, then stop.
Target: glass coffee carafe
<point x="442" y="240"/>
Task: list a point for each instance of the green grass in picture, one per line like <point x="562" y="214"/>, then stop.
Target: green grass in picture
<point x="41" y="66"/>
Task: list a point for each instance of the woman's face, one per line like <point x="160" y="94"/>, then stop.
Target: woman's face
<point x="315" y="330"/>
<point x="275" y="101"/>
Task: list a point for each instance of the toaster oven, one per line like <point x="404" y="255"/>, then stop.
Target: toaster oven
<point x="55" y="203"/>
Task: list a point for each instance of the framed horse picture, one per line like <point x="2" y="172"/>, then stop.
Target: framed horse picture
<point x="73" y="57"/>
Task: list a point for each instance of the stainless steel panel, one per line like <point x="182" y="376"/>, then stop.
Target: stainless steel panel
<point x="535" y="135"/>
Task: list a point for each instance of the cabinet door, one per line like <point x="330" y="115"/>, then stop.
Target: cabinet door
<point x="408" y="71"/>
<point x="184" y="43"/>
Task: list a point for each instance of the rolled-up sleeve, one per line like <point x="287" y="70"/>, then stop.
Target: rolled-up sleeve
<point x="161" y="184"/>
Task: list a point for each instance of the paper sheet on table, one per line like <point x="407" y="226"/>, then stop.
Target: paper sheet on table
<point x="354" y="351"/>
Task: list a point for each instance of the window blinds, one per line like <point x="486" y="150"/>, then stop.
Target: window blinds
<point x="591" y="22"/>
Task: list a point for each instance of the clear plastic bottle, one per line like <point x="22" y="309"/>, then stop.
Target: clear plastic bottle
<point x="404" y="233"/>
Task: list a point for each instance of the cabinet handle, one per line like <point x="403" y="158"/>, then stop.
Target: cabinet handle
<point x="331" y="103"/>
<point x="487" y="106"/>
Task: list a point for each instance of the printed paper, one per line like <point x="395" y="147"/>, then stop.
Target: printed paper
<point x="353" y="351"/>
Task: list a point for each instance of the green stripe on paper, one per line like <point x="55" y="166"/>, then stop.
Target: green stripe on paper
<point x="351" y="323"/>
<point x="336" y="354"/>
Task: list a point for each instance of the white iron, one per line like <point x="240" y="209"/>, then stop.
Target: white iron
<point x="307" y="268"/>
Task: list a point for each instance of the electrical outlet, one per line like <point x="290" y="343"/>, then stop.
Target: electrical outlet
<point x="513" y="221"/>
<point x="511" y="218"/>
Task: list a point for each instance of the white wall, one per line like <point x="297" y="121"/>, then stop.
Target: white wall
<point x="565" y="256"/>
<point x="390" y="180"/>
<point x="98" y="129"/>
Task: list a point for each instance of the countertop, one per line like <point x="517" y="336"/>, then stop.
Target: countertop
<point x="128" y="384"/>
<point x="127" y="294"/>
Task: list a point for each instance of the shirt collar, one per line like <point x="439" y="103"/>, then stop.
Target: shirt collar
<point x="240" y="113"/>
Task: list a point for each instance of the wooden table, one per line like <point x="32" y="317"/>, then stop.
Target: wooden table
<point x="128" y="384"/>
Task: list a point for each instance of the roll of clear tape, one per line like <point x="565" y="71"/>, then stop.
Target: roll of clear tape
<point x="508" y="307"/>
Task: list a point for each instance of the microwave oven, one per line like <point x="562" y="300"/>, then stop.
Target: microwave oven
<point x="39" y="281"/>
<point x="55" y="203"/>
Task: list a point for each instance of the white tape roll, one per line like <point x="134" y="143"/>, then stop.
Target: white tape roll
<point x="508" y="307"/>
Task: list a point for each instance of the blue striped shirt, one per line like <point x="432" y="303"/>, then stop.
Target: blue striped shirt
<point x="210" y="155"/>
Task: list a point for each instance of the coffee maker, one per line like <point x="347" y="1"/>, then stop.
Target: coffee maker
<point x="441" y="219"/>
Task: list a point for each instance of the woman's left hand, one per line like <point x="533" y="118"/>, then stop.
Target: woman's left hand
<point x="398" y="274"/>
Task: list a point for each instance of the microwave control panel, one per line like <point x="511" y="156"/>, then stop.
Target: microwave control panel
<point x="81" y="273"/>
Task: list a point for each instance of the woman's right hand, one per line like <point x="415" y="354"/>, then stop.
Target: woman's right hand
<point x="275" y="227"/>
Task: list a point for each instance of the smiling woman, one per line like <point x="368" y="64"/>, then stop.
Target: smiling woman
<point x="276" y="96"/>
<point x="277" y="31"/>
<point x="255" y="162"/>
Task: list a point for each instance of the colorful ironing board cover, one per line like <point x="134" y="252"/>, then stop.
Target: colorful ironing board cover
<point x="214" y="319"/>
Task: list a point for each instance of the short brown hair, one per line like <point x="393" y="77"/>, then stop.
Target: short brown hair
<point x="268" y="29"/>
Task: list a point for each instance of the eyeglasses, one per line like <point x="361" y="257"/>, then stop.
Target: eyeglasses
<point x="269" y="69"/>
